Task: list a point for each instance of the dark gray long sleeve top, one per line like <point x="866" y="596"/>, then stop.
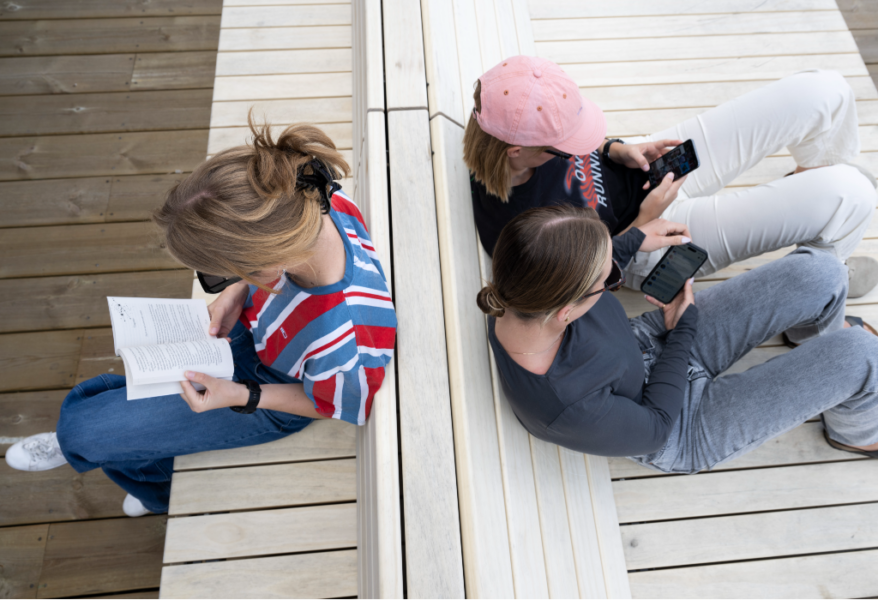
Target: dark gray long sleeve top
<point x="593" y="398"/>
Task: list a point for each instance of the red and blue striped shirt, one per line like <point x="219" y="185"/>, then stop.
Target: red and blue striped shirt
<point x="336" y="339"/>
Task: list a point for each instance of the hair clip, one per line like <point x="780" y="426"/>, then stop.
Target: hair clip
<point x="320" y="179"/>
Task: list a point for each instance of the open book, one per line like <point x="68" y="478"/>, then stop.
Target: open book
<point x="159" y="339"/>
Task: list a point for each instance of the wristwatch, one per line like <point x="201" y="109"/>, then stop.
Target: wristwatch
<point x="606" y="153"/>
<point x="253" y="401"/>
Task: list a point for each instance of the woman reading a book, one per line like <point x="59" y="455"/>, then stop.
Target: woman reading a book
<point x="311" y="323"/>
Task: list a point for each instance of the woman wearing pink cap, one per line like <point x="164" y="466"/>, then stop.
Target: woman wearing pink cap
<point x="533" y="140"/>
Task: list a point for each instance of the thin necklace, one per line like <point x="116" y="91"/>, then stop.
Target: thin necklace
<point x="541" y="351"/>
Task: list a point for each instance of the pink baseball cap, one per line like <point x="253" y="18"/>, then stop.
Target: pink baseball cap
<point x="530" y="101"/>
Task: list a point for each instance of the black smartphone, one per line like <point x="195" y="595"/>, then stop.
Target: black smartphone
<point x="681" y="160"/>
<point x="678" y="264"/>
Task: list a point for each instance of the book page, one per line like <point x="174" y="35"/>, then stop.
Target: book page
<point x="167" y="363"/>
<point x="151" y="321"/>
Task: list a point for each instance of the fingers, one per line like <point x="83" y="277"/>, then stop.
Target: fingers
<point x="193" y="397"/>
<point x="216" y="318"/>
<point x="688" y="294"/>
<point x="654" y="302"/>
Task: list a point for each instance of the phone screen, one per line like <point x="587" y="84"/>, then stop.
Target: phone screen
<point x="675" y="267"/>
<point x="680" y="160"/>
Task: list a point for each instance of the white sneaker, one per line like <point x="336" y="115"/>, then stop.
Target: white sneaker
<point x="134" y="507"/>
<point x="39" y="452"/>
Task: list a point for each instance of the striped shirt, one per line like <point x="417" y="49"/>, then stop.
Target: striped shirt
<point x="335" y="339"/>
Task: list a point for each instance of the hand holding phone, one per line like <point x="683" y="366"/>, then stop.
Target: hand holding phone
<point x="681" y="160"/>
<point x="676" y="267"/>
<point x="673" y="311"/>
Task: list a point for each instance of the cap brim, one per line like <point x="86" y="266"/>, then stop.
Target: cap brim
<point x="590" y="134"/>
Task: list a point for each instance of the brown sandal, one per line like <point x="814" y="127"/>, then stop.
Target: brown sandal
<point x="844" y="447"/>
<point x="853" y="321"/>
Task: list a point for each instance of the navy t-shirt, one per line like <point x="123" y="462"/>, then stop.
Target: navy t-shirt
<point x="613" y="190"/>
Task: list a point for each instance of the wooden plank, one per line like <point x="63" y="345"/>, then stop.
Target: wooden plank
<point x="523" y="518"/>
<point x="108" y="36"/>
<point x="867" y="42"/>
<point x="83" y="200"/>
<point x="227" y="137"/>
<point x="441" y="61"/>
<point x="859" y="14"/>
<point x="318" y="441"/>
<point x="404" y="76"/>
<point x="286" y="16"/>
<point x="27" y="413"/>
<point x="300" y="110"/>
<point x="21" y="554"/>
<point x="802" y="445"/>
<point x="97" y="9"/>
<point x="97" y="355"/>
<point x="81" y="300"/>
<point x="105" y="248"/>
<point x="321" y="575"/>
<point x="523" y="28"/>
<point x="45" y="360"/>
<point x="280" y="2"/>
<point x="709" y="69"/>
<point x="66" y="74"/>
<point x="570" y="9"/>
<point x="469" y="53"/>
<point x="583" y="532"/>
<point x="432" y="524"/>
<point x="489" y="36"/>
<point x="731" y="492"/>
<point x="686" y="25"/>
<point x="260" y="533"/>
<point x="94" y="113"/>
<point x="843" y="575"/>
<point x="555" y="527"/>
<point x="685" y="95"/>
<point x="109" y="555"/>
<point x="268" y="87"/>
<point x="487" y="567"/>
<point x="131" y="153"/>
<point x="379" y="534"/>
<point x="60" y="494"/>
<point x="285" y="38"/>
<point x="138" y="594"/>
<point x="274" y="62"/>
<point x="745" y="537"/>
<point x="724" y="46"/>
<point x="267" y="486"/>
<point x="607" y="522"/>
<point x="173" y="70"/>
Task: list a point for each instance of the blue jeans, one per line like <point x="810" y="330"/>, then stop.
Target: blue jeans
<point x="834" y="371"/>
<point x="135" y="442"/>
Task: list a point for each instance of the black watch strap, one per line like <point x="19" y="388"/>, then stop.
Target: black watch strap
<point x="253" y="401"/>
<point x="606" y="153"/>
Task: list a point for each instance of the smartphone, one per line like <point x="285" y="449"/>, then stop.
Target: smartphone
<point x="680" y="160"/>
<point x="678" y="264"/>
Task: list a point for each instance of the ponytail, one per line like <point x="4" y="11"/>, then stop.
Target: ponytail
<point x="253" y="207"/>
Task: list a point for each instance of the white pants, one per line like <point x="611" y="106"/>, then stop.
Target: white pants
<point x="814" y="115"/>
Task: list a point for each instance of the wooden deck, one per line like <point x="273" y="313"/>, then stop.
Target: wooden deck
<point x="102" y="105"/>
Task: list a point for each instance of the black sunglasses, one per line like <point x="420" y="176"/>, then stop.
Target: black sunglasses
<point x="558" y="153"/>
<point x="322" y="178"/>
<point x="614" y="281"/>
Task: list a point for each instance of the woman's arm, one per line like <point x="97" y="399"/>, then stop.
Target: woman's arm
<point x="221" y="393"/>
<point x="606" y="424"/>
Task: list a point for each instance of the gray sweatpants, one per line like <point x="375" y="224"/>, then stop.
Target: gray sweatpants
<point x="834" y="371"/>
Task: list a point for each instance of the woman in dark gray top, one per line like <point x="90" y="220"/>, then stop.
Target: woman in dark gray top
<point x="579" y="373"/>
